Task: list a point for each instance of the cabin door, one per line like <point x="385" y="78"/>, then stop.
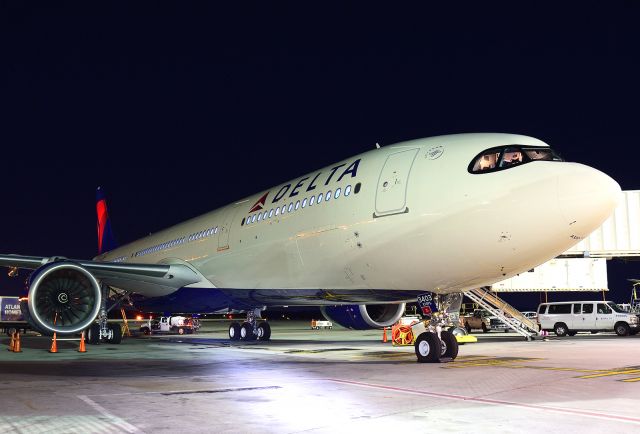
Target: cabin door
<point x="225" y="228"/>
<point x="391" y="193"/>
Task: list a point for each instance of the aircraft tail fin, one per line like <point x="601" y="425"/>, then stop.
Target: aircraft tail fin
<point x="106" y="240"/>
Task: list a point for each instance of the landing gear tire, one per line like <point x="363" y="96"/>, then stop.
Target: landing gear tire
<point x="560" y="329"/>
<point x="264" y="331"/>
<point x="116" y="334"/>
<point x="622" y="329"/>
<point x="484" y="328"/>
<point x="428" y="348"/>
<point x="572" y="333"/>
<point x="93" y="334"/>
<point x="234" y="331"/>
<point x="246" y="332"/>
<point x="449" y="345"/>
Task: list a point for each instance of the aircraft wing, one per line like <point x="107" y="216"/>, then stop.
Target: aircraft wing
<point x="146" y="279"/>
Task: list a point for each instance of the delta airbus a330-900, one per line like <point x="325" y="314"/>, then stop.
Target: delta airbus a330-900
<point x="439" y="215"/>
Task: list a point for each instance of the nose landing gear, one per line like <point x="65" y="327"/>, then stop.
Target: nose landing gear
<point x="434" y="343"/>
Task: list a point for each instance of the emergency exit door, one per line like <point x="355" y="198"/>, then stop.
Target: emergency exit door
<point x="391" y="193"/>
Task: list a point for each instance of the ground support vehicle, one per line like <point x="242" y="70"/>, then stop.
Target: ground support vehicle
<point x="169" y="324"/>
<point x="571" y="317"/>
<point x="11" y="319"/>
<point x="317" y="325"/>
<point x="478" y="320"/>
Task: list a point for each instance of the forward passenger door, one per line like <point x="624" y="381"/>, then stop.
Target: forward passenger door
<point x="391" y="192"/>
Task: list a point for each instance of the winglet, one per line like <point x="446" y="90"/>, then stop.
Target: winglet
<point x="106" y="240"/>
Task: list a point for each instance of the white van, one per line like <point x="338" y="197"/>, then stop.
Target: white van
<point x="570" y="317"/>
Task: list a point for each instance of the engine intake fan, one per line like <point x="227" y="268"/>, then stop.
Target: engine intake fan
<point x="63" y="298"/>
<point x="364" y="317"/>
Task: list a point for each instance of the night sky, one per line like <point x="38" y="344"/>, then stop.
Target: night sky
<point x="179" y="108"/>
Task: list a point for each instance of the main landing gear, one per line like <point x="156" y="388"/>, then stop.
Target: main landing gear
<point x="254" y="328"/>
<point x="434" y="342"/>
<point x="102" y="330"/>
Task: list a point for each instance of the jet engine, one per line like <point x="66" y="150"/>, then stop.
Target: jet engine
<point x="63" y="298"/>
<point x="362" y="316"/>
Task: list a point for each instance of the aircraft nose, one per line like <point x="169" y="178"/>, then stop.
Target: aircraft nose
<point x="587" y="198"/>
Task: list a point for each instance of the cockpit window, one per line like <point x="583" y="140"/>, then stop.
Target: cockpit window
<point x="545" y="154"/>
<point x="495" y="159"/>
<point x="486" y="161"/>
<point x="511" y="157"/>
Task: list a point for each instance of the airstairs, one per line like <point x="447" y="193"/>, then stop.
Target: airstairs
<point x="504" y="311"/>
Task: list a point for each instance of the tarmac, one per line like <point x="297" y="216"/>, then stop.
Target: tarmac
<point x="318" y="381"/>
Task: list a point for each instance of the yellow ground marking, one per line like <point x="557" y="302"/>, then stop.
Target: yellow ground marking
<point x="505" y="362"/>
<point x="612" y="372"/>
<point x="517" y="363"/>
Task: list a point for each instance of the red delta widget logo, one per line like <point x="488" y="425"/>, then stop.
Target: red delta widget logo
<point x="329" y="175"/>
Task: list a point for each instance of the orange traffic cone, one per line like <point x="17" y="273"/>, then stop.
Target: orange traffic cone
<point x="12" y="344"/>
<point x="384" y="335"/>
<point x="16" y="345"/>
<point x="54" y="345"/>
<point x="82" y="348"/>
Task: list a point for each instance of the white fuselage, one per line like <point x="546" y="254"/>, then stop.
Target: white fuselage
<point x="419" y="222"/>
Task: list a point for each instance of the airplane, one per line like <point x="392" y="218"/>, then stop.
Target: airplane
<point x="360" y="238"/>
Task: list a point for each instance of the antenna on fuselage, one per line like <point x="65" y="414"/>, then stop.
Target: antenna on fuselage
<point x="377" y="145"/>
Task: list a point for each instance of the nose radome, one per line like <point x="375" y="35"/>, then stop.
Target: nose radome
<point x="587" y="198"/>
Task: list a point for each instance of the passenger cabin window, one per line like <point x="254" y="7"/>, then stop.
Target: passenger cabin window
<point x="576" y="308"/>
<point x="587" y="308"/>
<point x="501" y="158"/>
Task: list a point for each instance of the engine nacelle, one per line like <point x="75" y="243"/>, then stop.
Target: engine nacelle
<point x="63" y="298"/>
<point x="364" y="317"/>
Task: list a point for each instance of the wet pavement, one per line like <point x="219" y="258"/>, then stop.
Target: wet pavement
<point x="321" y="381"/>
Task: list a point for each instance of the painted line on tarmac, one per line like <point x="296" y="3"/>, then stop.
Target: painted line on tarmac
<point x="118" y="422"/>
<point x="612" y="372"/>
<point x="509" y="363"/>
<point x="490" y="401"/>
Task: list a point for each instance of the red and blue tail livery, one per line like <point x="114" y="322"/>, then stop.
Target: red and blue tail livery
<point x="106" y="240"/>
